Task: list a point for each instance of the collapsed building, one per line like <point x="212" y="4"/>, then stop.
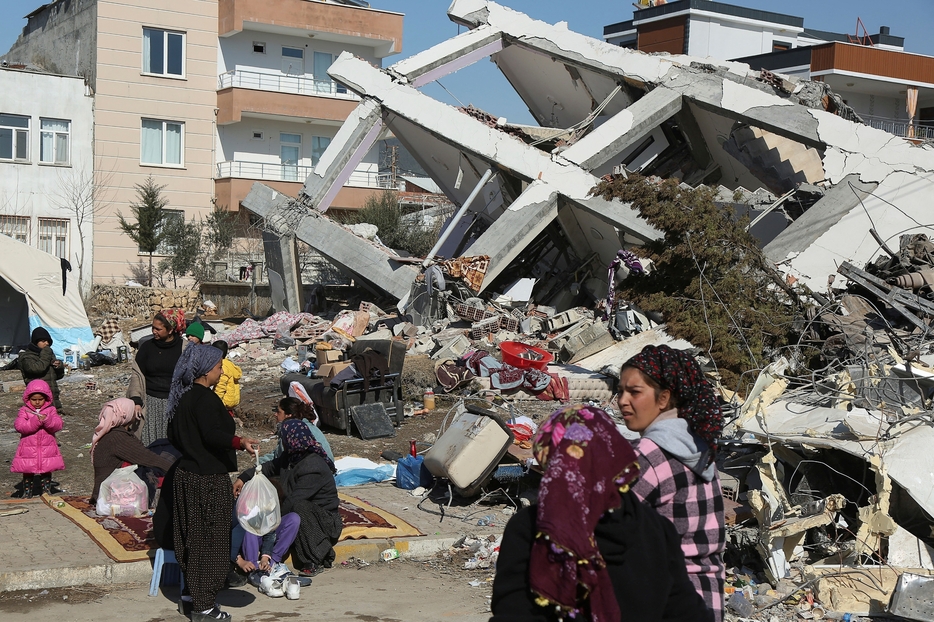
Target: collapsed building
<point x="823" y="192"/>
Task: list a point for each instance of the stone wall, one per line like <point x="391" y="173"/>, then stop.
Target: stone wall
<point x="122" y="301"/>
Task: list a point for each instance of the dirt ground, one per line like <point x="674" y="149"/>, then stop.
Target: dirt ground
<point x="385" y="592"/>
<point x="83" y="393"/>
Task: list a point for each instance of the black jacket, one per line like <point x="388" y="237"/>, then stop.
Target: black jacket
<point x="643" y="556"/>
<point x="36" y="364"/>
<point x="203" y="431"/>
<point x="157" y="359"/>
<point x="309" y="480"/>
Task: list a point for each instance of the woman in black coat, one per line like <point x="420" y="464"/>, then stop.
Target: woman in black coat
<point x="590" y="550"/>
<point x="306" y="478"/>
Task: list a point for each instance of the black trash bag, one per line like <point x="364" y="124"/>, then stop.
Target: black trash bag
<point x="97" y="359"/>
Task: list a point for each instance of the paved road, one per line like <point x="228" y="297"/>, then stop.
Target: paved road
<point x="394" y="592"/>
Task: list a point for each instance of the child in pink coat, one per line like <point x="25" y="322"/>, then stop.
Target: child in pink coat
<point x="37" y="454"/>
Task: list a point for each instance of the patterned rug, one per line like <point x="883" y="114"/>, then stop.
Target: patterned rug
<point x="362" y="520"/>
<point x="122" y="538"/>
<point x="129" y="538"/>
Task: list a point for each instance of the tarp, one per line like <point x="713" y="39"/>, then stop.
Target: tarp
<point x="31" y="296"/>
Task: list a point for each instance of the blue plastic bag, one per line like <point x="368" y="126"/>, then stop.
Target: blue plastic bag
<point x="411" y="473"/>
<point x="355" y="477"/>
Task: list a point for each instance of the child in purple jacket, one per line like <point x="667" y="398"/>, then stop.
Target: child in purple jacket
<point x="37" y="454"/>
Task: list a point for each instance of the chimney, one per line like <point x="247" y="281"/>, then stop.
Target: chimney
<point x="883" y="30"/>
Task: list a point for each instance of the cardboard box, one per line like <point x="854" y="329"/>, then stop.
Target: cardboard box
<point x="329" y="370"/>
<point x="328" y="356"/>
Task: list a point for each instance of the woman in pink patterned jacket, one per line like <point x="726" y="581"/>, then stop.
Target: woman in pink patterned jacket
<point x="664" y="396"/>
<point x="37" y="454"/>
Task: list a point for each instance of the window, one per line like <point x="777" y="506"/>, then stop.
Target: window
<point x="53" y="147"/>
<point x="17" y="227"/>
<point x="293" y="61"/>
<point x="318" y="145"/>
<point x="162" y="143"/>
<point x="257" y="135"/>
<point x="780" y="46"/>
<point x="290" y="152"/>
<point x="259" y="47"/>
<point x="163" y="52"/>
<point x="323" y="82"/>
<point x="14" y="137"/>
<point x="172" y="216"/>
<point x="53" y="236"/>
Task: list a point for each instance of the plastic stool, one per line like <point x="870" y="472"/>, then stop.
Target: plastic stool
<point x="162" y="558"/>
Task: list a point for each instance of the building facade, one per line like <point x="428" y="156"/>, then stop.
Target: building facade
<point x="205" y="97"/>
<point x="46" y="164"/>
<point x="889" y="88"/>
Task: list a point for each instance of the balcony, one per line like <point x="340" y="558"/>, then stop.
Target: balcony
<point x="283" y="83"/>
<point x="280" y="95"/>
<point x="380" y="30"/>
<point x="901" y="127"/>
<point x="233" y="180"/>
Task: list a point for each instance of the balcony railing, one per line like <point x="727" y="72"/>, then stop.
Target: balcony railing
<point x="292" y="172"/>
<point x="900" y="127"/>
<point x="283" y="83"/>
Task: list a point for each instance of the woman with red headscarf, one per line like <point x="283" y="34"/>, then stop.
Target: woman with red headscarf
<point x="589" y="549"/>
<point x="664" y="396"/>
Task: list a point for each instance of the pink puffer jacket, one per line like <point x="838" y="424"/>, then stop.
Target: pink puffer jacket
<point x="38" y="451"/>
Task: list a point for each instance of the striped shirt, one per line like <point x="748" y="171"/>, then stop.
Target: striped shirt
<point x="695" y="507"/>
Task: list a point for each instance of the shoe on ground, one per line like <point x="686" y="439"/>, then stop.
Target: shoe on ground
<point x="279" y="571"/>
<point x="292" y="588"/>
<point x="255" y="577"/>
<point x="184" y="607"/>
<point x="310" y="570"/>
<point x="271" y="587"/>
<point x="213" y="614"/>
<point x="235" y="578"/>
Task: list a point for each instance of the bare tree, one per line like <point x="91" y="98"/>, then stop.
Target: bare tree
<point x="81" y="193"/>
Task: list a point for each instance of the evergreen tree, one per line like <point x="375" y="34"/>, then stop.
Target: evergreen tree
<point x="149" y="212"/>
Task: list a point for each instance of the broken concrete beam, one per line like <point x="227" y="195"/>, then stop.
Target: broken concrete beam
<point x="558" y="341"/>
<point x="562" y="320"/>
<point x="375" y="268"/>
<point x="453" y="349"/>
<point x="582" y="344"/>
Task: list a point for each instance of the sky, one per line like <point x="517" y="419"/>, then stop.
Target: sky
<point x="426" y="24"/>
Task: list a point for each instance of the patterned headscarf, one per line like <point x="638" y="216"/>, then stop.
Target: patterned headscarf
<point x="298" y="442"/>
<point x="196" y="360"/>
<point x="587" y="464"/>
<point x="114" y="414"/>
<point x="679" y="372"/>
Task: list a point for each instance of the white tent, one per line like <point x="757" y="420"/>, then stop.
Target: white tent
<point x="31" y="295"/>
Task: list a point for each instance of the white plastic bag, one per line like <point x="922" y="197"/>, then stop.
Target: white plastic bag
<point x="123" y="493"/>
<point x="258" y="504"/>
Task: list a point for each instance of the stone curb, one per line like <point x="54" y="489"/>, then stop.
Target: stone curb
<point x="141" y="571"/>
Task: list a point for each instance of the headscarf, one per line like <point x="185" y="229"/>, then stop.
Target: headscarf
<point x="678" y="372"/>
<point x="168" y="320"/>
<point x="298" y="442"/>
<point x="587" y="464"/>
<point x="196" y="360"/>
<point x="114" y="414"/>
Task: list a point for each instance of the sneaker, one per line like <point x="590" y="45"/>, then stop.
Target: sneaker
<point x="271" y="587"/>
<point x="213" y="614"/>
<point x="279" y="571"/>
<point x="235" y="578"/>
<point x="311" y="570"/>
<point x="292" y="589"/>
<point x="256" y="577"/>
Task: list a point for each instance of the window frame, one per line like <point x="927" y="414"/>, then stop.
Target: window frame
<point x="16" y="131"/>
<point x="261" y="44"/>
<point x="8" y="219"/>
<point x="164" y="249"/>
<point x="55" y="134"/>
<point x="165" y="54"/>
<point x="163" y="164"/>
<point x="53" y="239"/>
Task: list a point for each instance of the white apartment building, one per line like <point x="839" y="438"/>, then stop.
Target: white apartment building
<point x="46" y="164"/>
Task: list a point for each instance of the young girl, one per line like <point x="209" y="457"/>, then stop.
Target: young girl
<point x="37" y="454"/>
<point x="664" y="396"/>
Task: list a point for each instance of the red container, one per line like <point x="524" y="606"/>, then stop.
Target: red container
<point x="525" y="356"/>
